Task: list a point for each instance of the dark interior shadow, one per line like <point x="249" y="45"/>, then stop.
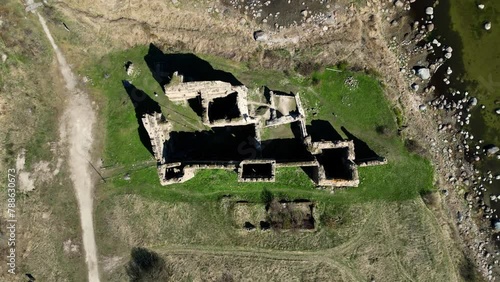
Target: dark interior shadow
<point x="297" y="132"/>
<point x="361" y="149"/>
<point x="310" y="171"/>
<point x="267" y="94"/>
<point x="196" y="106"/>
<point x="143" y="104"/>
<point x="322" y="130"/>
<point x="224" y="108"/>
<point x="193" y="68"/>
<point x="219" y="144"/>
<point x="286" y="150"/>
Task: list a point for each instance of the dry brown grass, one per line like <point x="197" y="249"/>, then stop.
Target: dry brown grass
<point x="30" y="106"/>
<point x="380" y="240"/>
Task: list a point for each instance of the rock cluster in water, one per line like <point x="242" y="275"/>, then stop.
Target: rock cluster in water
<point x="460" y="150"/>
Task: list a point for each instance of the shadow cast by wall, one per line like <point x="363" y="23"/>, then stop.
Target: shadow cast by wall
<point x="322" y="130"/>
<point x="143" y="104"/>
<point x="218" y="144"/>
<point x="193" y="68"/>
<point x="361" y="149"/>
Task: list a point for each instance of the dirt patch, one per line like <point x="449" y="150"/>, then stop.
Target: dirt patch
<point x="284" y="215"/>
<point x="70" y="247"/>
<point x="26" y="183"/>
<point x="110" y="264"/>
<point x="40" y="173"/>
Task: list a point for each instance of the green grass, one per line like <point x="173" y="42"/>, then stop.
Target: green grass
<point x="123" y="146"/>
<point x="360" y="110"/>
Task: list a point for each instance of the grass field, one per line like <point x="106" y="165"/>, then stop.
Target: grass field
<point x="31" y="103"/>
<point x="361" y="111"/>
<point x="193" y="221"/>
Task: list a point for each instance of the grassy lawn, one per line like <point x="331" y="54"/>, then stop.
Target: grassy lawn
<point x="360" y="110"/>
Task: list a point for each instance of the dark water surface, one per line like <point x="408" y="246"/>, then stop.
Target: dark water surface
<point x="444" y="32"/>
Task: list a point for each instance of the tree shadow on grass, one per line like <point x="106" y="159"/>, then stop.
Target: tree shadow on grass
<point x="146" y="265"/>
<point x="143" y="104"/>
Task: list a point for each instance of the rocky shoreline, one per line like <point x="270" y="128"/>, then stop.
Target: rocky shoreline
<point x="452" y="149"/>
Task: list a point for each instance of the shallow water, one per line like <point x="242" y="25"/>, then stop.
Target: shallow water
<point x="459" y="24"/>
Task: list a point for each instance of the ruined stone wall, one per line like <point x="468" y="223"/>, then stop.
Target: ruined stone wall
<point x="353" y="182"/>
<point x="271" y="178"/>
<point x="317" y="147"/>
<point x="364" y="163"/>
<point x="207" y="89"/>
<point x="282" y="120"/>
<point x="184" y="174"/>
<point x="188" y="170"/>
<point x="298" y="164"/>
<point x="158" y="132"/>
<point x="302" y="113"/>
<point x="233" y="122"/>
<point x="230" y="165"/>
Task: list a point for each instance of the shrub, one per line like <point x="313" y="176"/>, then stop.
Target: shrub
<point x="342" y="65"/>
<point x="266" y="196"/>
<point x="414" y="147"/>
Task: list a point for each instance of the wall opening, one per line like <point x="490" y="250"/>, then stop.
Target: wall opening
<point x="224" y="108"/>
<point x="334" y="161"/>
<point x="257" y="170"/>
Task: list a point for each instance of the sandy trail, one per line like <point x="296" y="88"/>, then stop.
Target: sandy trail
<point x="76" y="128"/>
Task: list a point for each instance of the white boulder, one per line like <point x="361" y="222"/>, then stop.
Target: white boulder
<point x="424" y="73"/>
<point x="492" y="150"/>
<point x="473" y="101"/>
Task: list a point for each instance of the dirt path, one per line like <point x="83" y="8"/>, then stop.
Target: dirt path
<point x="76" y="130"/>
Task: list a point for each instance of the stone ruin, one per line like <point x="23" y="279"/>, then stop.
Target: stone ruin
<point x="234" y="141"/>
<point x="298" y="215"/>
